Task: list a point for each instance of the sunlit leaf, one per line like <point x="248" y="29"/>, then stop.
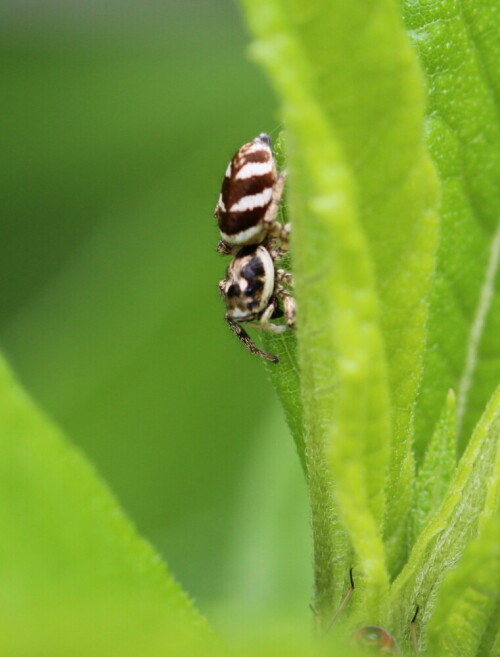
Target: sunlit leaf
<point x="465" y="620"/>
<point x="362" y="201"/>
<point x="69" y="555"/>
<point x="459" y="50"/>
<point x="437" y="469"/>
<point x="473" y="494"/>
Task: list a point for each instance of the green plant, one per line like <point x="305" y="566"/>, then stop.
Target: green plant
<point x="392" y="146"/>
<point x="388" y="321"/>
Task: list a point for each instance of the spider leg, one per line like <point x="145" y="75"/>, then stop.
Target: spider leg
<point x="278" y="189"/>
<point x="265" y="319"/>
<point x="283" y="276"/>
<point x="221" y="285"/>
<point x="224" y="248"/>
<point x="278" y="247"/>
<point x="289" y="305"/>
<point x="278" y="235"/>
<point x="243" y="336"/>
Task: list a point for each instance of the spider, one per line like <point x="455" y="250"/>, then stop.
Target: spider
<point x="251" y="290"/>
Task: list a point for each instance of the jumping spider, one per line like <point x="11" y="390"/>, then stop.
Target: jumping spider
<point x="246" y="213"/>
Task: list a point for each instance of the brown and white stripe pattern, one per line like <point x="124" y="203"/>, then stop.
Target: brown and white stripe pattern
<point x="247" y="192"/>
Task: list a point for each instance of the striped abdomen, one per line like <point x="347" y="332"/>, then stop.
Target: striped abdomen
<point x="246" y="194"/>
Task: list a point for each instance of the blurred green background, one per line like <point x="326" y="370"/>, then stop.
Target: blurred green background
<point x="118" y="120"/>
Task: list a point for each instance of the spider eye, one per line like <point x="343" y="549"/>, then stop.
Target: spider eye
<point x="233" y="291"/>
<point x="256" y="285"/>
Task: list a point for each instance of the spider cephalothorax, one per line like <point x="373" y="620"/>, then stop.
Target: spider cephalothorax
<point x="251" y="291"/>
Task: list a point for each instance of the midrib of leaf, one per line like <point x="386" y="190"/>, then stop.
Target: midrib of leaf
<point x="362" y="194"/>
<point x="477" y="327"/>
<point x="338" y="320"/>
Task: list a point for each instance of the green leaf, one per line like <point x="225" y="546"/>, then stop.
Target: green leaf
<point x="465" y="619"/>
<point x="460" y="54"/>
<point x="68" y="554"/>
<point x="436" y="470"/>
<point x="362" y="197"/>
<point x="286" y="376"/>
<point x="268" y="572"/>
<point x="472" y="497"/>
<point x="286" y="379"/>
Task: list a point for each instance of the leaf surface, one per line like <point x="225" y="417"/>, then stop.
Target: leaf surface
<point x="460" y="53"/>
<point x="437" y="469"/>
<point x="472" y="497"/>
<point x="68" y="551"/>
<point x="362" y="197"/>
<point x="465" y="620"/>
<point x="286" y="376"/>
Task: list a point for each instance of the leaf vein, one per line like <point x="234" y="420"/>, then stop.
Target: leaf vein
<point x="482" y="308"/>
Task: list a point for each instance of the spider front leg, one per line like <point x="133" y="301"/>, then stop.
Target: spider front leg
<point x="247" y="341"/>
